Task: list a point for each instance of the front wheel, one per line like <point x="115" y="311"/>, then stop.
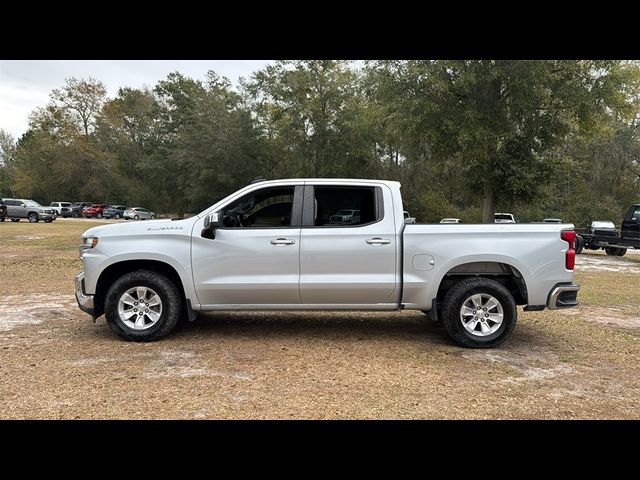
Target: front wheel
<point x="33" y="217"/>
<point x="15" y="219"/>
<point x="48" y="220"/>
<point x="117" y="217"/>
<point x="136" y="217"/>
<point x="479" y="313"/>
<point x="621" y="252"/>
<point x="153" y="217"/>
<point x="75" y="215"/>
<point x="143" y="306"/>
<point x="99" y="216"/>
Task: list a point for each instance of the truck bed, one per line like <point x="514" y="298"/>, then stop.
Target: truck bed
<point x="536" y="252"/>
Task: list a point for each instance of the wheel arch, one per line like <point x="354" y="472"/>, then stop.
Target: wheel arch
<point x="503" y="272"/>
<point x="117" y="269"/>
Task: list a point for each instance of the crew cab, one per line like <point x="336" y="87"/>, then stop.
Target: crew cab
<point x="272" y="246"/>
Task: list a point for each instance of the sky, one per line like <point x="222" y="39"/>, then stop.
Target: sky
<point x="26" y="84"/>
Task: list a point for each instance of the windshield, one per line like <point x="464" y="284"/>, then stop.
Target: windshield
<point x="503" y="216"/>
<point x="31" y="203"/>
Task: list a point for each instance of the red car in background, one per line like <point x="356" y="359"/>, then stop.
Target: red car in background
<point x="94" y="210"/>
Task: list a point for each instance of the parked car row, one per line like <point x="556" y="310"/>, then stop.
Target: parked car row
<point x="16" y="209"/>
<point x="100" y="210"/>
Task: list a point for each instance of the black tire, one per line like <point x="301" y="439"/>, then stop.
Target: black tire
<point x="99" y="215"/>
<point x="454" y="300"/>
<point x="75" y="215"/>
<point x="171" y="302"/>
<point x="1" y="219"/>
<point x="621" y="252"/>
<point x="117" y="217"/>
<point x="15" y="219"/>
<point x="136" y="217"/>
<point x="33" y="217"/>
<point x="611" y="251"/>
<point x="153" y="217"/>
<point x="48" y="220"/>
<point x="579" y="244"/>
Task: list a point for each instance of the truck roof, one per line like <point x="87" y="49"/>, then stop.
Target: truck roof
<point x="332" y="180"/>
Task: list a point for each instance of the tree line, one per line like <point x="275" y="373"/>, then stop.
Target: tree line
<point x="538" y="138"/>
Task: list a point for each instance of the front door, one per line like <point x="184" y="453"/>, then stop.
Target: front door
<point x="631" y="225"/>
<point x="348" y="247"/>
<point x="254" y="257"/>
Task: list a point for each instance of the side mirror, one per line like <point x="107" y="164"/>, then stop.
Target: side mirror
<point x="211" y="222"/>
<point x="23" y="205"/>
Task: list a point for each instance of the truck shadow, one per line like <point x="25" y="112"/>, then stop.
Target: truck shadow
<point x="330" y="325"/>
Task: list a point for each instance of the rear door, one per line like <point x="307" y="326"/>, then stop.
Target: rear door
<point x="349" y="265"/>
<point x="15" y="210"/>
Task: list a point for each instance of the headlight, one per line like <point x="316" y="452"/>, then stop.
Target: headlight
<point x="87" y="243"/>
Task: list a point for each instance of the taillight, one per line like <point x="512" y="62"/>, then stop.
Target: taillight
<point x="569" y="236"/>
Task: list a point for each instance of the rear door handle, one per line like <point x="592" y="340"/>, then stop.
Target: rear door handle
<point x="282" y="241"/>
<point x="378" y="241"/>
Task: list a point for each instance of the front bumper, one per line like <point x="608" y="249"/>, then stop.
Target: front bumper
<point x="85" y="302"/>
<point x="563" y="295"/>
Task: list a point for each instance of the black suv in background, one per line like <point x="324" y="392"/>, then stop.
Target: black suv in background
<point x="76" y="208"/>
<point x="3" y="210"/>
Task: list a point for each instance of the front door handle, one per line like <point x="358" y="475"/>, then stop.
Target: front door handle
<point x="378" y="241"/>
<point x="282" y="241"/>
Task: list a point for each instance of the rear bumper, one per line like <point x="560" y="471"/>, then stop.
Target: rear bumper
<point x="85" y="302"/>
<point x="563" y="295"/>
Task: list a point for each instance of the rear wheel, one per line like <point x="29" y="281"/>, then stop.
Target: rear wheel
<point x="75" y="214"/>
<point x="15" y="219"/>
<point x="99" y="215"/>
<point x="33" y="217"/>
<point x="143" y="306"/>
<point x="479" y="313"/>
<point x="153" y="217"/>
<point x="117" y="216"/>
<point x="136" y="217"/>
<point x="621" y="252"/>
<point x="612" y="251"/>
<point x="579" y="244"/>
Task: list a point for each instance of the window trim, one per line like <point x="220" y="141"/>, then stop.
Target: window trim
<point x="296" y="208"/>
<point x="309" y="204"/>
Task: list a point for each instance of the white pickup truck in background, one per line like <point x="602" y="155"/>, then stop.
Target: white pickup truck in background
<point x="279" y="245"/>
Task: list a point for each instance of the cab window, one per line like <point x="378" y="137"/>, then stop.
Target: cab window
<point x="270" y="207"/>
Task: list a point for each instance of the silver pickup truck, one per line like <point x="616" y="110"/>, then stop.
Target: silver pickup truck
<point x="275" y="245"/>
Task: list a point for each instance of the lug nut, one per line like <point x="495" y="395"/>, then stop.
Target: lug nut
<point x="135" y="309"/>
<point x="486" y="314"/>
<point x="135" y="303"/>
<point x="146" y="311"/>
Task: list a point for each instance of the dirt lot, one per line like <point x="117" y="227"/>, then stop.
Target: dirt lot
<point x="56" y="363"/>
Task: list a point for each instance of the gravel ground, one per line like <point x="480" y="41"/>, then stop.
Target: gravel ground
<point x="56" y="363"/>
